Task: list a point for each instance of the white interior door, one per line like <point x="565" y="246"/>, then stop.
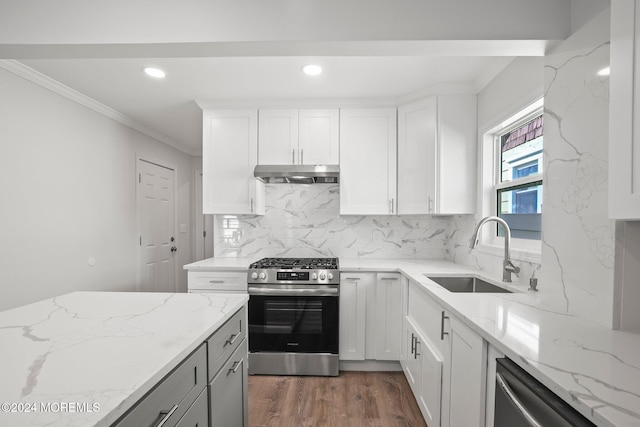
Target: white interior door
<point x="204" y="225"/>
<point x="156" y="216"/>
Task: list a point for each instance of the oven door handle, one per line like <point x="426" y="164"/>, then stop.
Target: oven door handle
<point x="293" y="292"/>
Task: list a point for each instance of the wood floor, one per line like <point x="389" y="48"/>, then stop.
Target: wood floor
<point x="353" y="399"/>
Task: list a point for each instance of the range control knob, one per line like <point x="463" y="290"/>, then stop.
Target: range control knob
<point x="314" y="276"/>
<point x="263" y="275"/>
<point x="254" y="275"/>
<point x="322" y="276"/>
<point x="330" y="276"/>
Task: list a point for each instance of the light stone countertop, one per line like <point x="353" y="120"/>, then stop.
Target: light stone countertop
<point x="594" y="369"/>
<point x="64" y="355"/>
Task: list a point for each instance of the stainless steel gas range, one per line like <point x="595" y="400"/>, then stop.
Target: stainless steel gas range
<point x="293" y="316"/>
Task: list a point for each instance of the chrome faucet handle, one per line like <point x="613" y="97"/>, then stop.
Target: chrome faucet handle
<point x="508" y="265"/>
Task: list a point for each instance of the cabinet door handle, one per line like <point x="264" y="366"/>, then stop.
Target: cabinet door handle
<point x="391" y="205"/>
<point x="293" y="156"/>
<point x="165" y="416"/>
<point x="302" y="156"/>
<point x="430" y="204"/>
<point x="231" y="339"/>
<point x="442" y="332"/>
<point x="413" y="343"/>
<point x="235" y="367"/>
<point x="416" y="354"/>
<point x="251" y="207"/>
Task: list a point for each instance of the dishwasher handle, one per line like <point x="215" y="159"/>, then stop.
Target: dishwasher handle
<point x="514" y="399"/>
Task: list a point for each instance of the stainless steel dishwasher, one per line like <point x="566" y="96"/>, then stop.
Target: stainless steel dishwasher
<point x="522" y="401"/>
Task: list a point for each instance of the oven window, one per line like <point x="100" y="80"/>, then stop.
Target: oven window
<point x="293" y="316"/>
<point x="300" y="324"/>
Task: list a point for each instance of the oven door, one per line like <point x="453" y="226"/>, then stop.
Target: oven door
<point x="293" y="324"/>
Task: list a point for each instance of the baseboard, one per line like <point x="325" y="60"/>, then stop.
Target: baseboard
<point x="370" y="365"/>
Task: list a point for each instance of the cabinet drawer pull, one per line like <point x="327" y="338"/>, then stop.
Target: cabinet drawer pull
<point x="231" y="339"/>
<point x="388" y="278"/>
<point x="165" y="416"/>
<point x="236" y="366"/>
<point x="216" y="281"/>
<point x="442" y="332"/>
<point x="352" y="278"/>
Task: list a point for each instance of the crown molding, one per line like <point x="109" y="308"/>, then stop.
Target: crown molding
<point x="34" y="76"/>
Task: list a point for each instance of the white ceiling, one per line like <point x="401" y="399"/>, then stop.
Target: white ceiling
<point x="168" y="106"/>
<point x="252" y="51"/>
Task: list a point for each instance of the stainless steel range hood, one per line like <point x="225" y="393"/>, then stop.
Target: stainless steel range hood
<point x="297" y="174"/>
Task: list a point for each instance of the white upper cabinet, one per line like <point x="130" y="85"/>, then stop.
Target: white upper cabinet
<point x="368" y="161"/>
<point x="624" y="111"/>
<point x="278" y="137"/>
<point x="437" y="139"/>
<point x="298" y="137"/>
<point x="229" y="155"/>
<point x="319" y="136"/>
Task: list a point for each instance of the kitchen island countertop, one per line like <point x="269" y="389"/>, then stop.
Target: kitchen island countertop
<point x="84" y="358"/>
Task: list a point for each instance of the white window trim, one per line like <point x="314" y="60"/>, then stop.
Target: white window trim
<point x="488" y="169"/>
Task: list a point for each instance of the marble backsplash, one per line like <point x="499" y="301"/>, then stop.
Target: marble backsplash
<point x="577" y="237"/>
<point x="303" y="220"/>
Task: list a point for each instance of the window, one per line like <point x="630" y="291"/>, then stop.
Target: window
<point x="518" y="188"/>
<point x="511" y="168"/>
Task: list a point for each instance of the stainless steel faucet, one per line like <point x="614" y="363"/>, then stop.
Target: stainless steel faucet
<point x="507" y="265"/>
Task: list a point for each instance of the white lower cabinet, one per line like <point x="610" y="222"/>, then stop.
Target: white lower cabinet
<point x="353" y="302"/>
<point x="445" y="363"/>
<point x="492" y="354"/>
<point x="423" y="369"/>
<point x="370" y="316"/>
<point x="463" y="385"/>
<point x="384" y="306"/>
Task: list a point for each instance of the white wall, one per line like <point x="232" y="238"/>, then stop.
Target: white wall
<point x="68" y="193"/>
<point x="517" y="86"/>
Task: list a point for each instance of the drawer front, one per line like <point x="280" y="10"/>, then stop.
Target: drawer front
<point x="198" y="414"/>
<point x="217" y="281"/>
<point x="228" y="391"/>
<point x="225" y="341"/>
<point x="171" y="398"/>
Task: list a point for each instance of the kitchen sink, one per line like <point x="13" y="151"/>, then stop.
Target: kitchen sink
<point x="467" y="284"/>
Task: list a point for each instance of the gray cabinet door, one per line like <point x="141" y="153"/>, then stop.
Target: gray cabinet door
<point x="225" y="341"/>
<point x="172" y="397"/>
<point x="228" y="391"/>
<point x="198" y="414"/>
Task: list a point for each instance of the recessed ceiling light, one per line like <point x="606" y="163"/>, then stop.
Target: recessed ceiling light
<point x="312" y="70"/>
<point x="154" y="72"/>
<point x="605" y="72"/>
